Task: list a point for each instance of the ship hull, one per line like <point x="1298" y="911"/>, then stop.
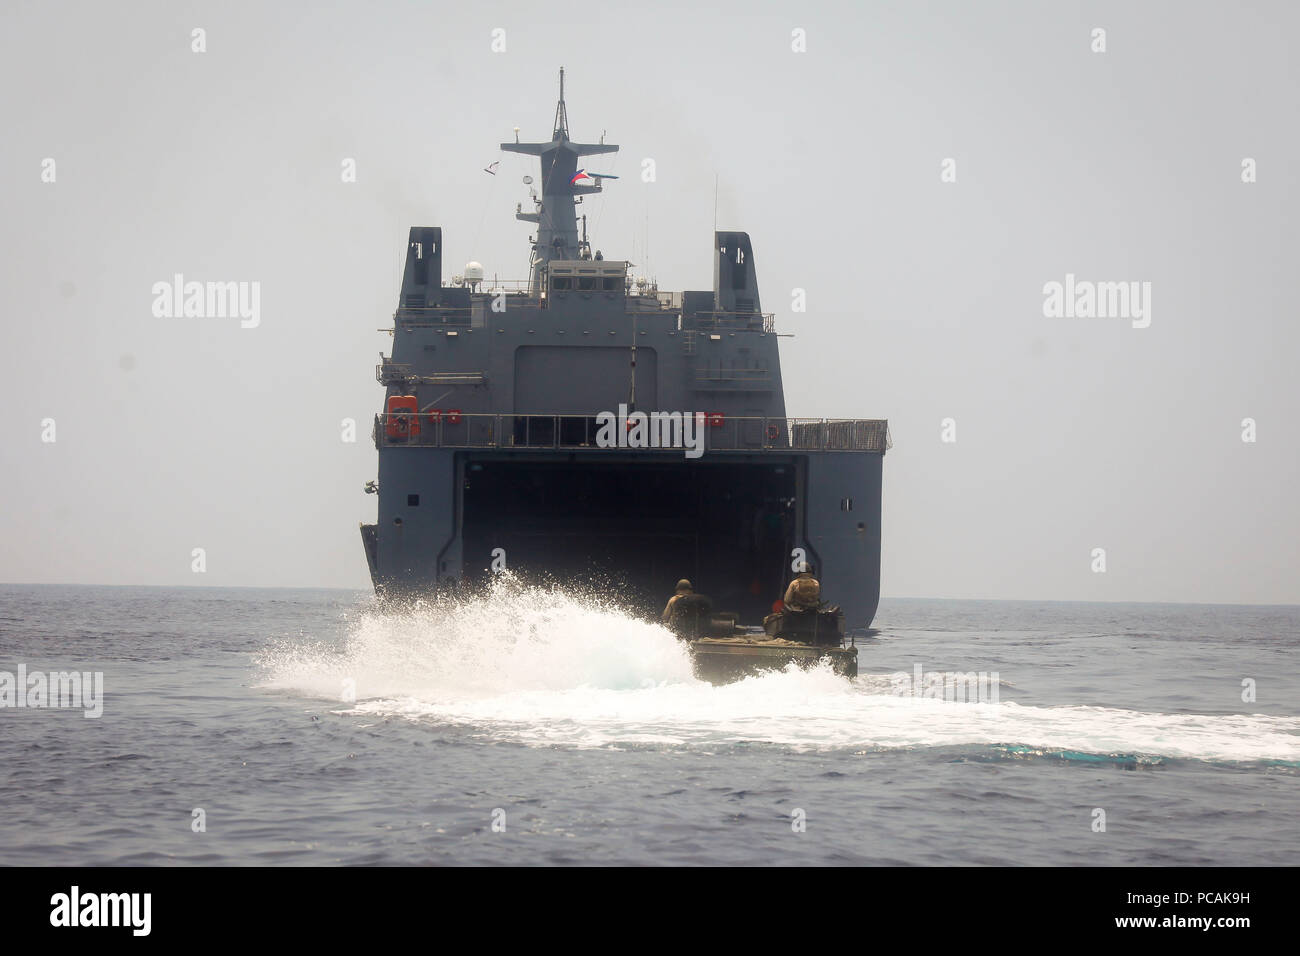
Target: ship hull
<point x="633" y="523"/>
<point x="590" y="428"/>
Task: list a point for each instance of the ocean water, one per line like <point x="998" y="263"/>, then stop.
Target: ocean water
<point x="537" y="727"/>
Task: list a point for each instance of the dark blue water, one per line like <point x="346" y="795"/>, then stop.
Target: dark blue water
<point x="311" y="729"/>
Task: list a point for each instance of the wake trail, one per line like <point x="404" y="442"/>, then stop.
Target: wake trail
<point x="542" y="666"/>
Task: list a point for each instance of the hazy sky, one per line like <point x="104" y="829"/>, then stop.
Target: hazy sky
<point x="925" y="298"/>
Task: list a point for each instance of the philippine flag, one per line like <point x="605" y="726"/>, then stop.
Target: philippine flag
<point x="580" y="174"/>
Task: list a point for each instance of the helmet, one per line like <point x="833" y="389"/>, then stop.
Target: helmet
<point x="684" y="585"/>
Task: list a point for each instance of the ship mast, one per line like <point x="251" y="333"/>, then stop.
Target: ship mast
<point x="554" y="213"/>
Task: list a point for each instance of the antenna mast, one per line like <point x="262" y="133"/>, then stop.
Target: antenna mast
<point x="561" y="114"/>
<point x="554" y="213"/>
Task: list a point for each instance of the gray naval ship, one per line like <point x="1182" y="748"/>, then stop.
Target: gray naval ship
<point x="586" y="426"/>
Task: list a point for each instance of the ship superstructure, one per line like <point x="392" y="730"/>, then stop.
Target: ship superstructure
<point x="589" y="427"/>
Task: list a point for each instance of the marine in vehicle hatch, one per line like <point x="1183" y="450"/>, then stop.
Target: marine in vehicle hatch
<point x="804" y="592"/>
<point x="686" y="612"/>
<point x="803" y="616"/>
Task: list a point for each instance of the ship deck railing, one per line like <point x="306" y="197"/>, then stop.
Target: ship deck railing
<point x="430" y="317"/>
<point x="452" y="429"/>
<point x="707" y="321"/>
<point x="415" y="315"/>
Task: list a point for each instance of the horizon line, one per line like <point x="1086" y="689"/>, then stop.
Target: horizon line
<point x="883" y="597"/>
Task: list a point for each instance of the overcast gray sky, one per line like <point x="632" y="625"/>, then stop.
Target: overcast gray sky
<point x="925" y="298"/>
